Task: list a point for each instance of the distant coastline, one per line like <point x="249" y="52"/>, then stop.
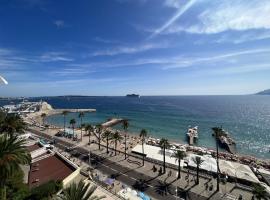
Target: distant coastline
<point x="264" y="92"/>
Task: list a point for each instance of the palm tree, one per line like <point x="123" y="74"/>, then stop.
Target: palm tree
<point x="143" y="135"/>
<point x="89" y="128"/>
<point x="12" y="154"/>
<point x="125" y="127"/>
<point x="164" y="144"/>
<point x="179" y="155"/>
<point x="72" y="122"/>
<point x="11" y="124"/>
<point x="217" y="132"/>
<point x="80" y="191"/>
<point x="99" y="130"/>
<point x="198" y="161"/>
<point x="117" y="138"/>
<point x="259" y="191"/>
<point x="107" y="134"/>
<point x="64" y="113"/>
<point x="43" y="116"/>
<point x="81" y="115"/>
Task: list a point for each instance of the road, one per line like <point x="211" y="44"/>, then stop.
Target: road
<point x="152" y="186"/>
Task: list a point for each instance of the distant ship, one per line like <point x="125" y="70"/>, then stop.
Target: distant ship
<point x="133" y="95"/>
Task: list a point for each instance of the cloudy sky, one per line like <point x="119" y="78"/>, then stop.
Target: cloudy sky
<point x="150" y="47"/>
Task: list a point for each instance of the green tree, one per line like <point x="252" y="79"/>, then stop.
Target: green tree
<point x="179" y="155"/>
<point x="72" y="122"/>
<point x="80" y="191"/>
<point x="125" y="127"/>
<point x="16" y="188"/>
<point x="143" y="135"/>
<point x="81" y="116"/>
<point x="99" y="131"/>
<point x="259" y="192"/>
<point x="198" y="161"/>
<point x="12" y="123"/>
<point x="164" y="144"/>
<point x="43" y="116"/>
<point x="89" y="128"/>
<point x="46" y="190"/>
<point x="107" y="134"/>
<point x="12" y="154"/>
<point x="65" y="113"/>
<point x="117" y="138"/>
<point x="217" y="132"/>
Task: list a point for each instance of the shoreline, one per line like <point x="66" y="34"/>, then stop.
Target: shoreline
<point x="36" y="120"/>
<point x="134" y="137"/>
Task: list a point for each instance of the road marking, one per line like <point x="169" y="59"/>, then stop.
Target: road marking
<point x="60" y="144"/>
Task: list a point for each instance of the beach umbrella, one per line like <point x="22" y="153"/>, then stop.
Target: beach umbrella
<point x="3" y="81"/>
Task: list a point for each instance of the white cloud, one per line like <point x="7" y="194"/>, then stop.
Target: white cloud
<point x="191" y="61"/>
<point x="129" y="49"/>
<point x="245" y="37"/>
<point x="59" y="23"/>
<point x="241" y="69"/>
<point x="175" y="17"/>
<point x="173" y="3"/>
<point x="72" y="72"/>
<point x="236" y="15"/>
<point x="54" y="57"/>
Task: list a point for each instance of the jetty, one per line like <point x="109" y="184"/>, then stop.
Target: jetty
<point x="112" y="122"/>
<point x="75" y="110"/>
<point x="226" y="142"/>
<point x="192" y="135"/>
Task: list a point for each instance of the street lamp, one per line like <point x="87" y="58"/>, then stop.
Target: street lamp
<point x="3" y="81"/>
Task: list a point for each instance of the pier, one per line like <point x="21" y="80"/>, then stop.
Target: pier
<point x="192" y="135"/>
<point x="112" y="122"/>
<point x="231" y="148"/>
<point x="75" y="110"/>
<point x="191" y="139"/>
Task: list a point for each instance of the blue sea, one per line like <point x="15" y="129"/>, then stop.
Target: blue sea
<point x="246" y="117"/>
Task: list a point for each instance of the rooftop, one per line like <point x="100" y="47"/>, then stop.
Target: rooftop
<point x="50" y="168"/>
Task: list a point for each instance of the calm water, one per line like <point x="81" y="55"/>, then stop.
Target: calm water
<point x="247" y="118"/>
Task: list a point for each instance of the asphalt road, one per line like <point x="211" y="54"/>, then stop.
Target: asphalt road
<point x="151" y="186"/>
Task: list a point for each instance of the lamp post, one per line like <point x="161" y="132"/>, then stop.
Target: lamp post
<point x="125" y="146"/>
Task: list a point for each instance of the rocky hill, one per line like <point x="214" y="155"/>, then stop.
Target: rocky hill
<point x="265" y="92"/>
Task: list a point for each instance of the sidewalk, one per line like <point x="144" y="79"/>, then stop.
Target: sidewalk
<point x="186" y="182"/>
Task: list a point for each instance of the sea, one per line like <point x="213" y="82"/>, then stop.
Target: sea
<point x="245" y="117"/>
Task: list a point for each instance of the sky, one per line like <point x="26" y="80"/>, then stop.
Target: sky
<point x="150" y="47"/>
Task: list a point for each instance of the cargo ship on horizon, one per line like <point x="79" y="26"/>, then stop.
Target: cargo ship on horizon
<point x="133" y="95"/>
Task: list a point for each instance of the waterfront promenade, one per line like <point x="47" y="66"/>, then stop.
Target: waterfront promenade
<point x="130" y="171"/>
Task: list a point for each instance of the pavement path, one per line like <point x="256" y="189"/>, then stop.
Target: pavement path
<point x="154" y="184"/>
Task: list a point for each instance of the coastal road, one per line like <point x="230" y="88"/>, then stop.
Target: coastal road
<point x="153" y="187"/>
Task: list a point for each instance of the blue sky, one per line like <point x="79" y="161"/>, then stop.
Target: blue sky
<point x="150" y="47"/>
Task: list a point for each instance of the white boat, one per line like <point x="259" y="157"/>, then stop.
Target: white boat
<point x="193" y="131"/>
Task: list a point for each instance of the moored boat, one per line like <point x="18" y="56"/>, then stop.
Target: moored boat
<point x="192" y="134"/>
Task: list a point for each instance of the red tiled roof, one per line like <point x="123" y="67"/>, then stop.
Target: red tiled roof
<point x="51" y="168"/>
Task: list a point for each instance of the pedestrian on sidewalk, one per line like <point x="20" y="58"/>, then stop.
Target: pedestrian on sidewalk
<point x="170" y="173"/>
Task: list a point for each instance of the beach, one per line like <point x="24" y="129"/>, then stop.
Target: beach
<point x="133" y="139"/>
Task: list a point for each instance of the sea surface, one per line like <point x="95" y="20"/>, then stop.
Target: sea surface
<point x="246" y="117"/>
